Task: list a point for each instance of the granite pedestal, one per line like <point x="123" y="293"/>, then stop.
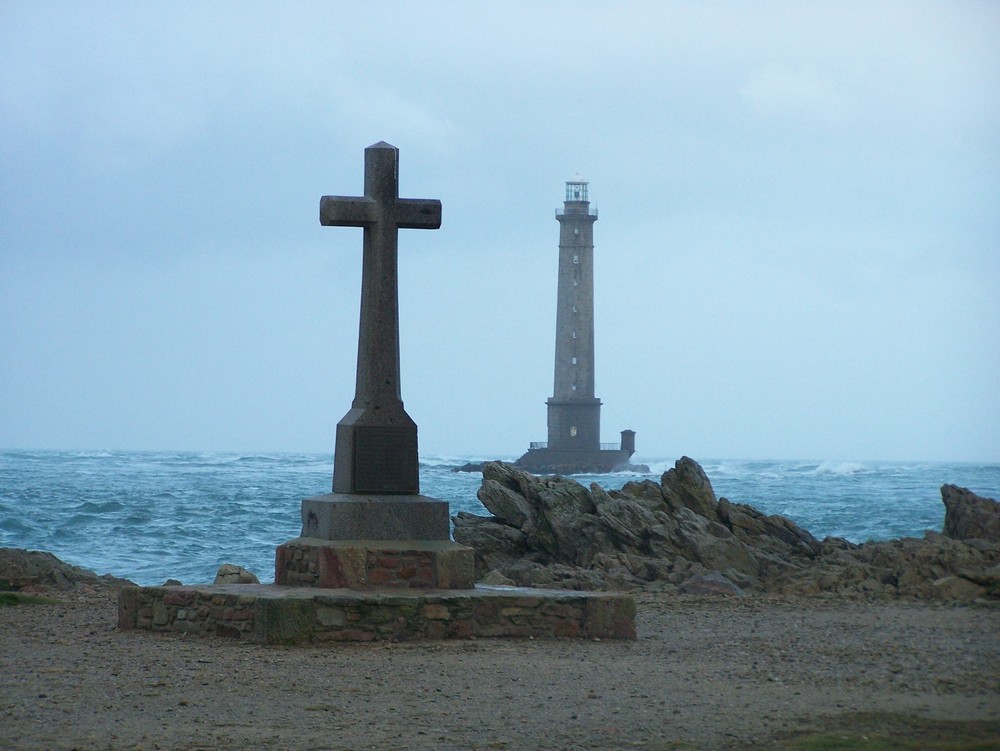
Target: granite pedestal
<point x="355" y="541"/>
<point x="356" y="516"/>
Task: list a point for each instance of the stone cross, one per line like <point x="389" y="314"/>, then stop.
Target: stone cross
<point x="376" y="449"/>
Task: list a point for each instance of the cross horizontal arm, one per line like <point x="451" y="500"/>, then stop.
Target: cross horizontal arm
<point x="347" y="211"/>
<point x="416" y="213"/>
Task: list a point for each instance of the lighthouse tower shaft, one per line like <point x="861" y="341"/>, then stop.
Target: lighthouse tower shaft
<point x="574" y="413"/>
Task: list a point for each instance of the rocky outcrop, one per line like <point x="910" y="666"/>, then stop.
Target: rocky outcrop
<point x="645" y="532"/>
<point x="932" y="567"/>
<point x="37" y="571"/>
<point x="967" y="516"/>
<point x="675" y="534"/>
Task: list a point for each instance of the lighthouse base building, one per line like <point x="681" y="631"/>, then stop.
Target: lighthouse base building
<point x="607" y="457"/>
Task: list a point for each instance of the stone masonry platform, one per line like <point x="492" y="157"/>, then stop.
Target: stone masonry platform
<point x="271" y="614"/>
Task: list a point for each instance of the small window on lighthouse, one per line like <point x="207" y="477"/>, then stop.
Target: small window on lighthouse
<point x="574" y="335"/>
<point x="572" y="431"/>
<point x="574" y="387"/>
<point x="574" y="362"/>
<point x="576" y="230"/>
<point x="576" y="258"/>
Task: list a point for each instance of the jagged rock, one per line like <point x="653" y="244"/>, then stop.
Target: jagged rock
<point x="906" y="567"/>
<point x="771" y="533"/>
<point x="230" y="573"/>
<point x="503" y="498"/>
<point x="687" y="486"/>
<point x="969" y="516"/>
<point x="552" y="532"/>
<point x="37" y="570"/>
<point x="957" y="588"/>
<point x="989" y="577"/>
<point x="493" y="541"/>
<point x="565" y="510"/>
<point x="713" y="545"/>
<point x="644" y="532"/>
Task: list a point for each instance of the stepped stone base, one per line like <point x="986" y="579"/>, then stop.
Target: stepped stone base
<point x="271" y="614"/>
<point x="368" y="564"/>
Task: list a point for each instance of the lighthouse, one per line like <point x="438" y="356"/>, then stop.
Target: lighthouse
<point x="574" y="412"/>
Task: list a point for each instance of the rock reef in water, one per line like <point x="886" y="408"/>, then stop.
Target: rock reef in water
<point x="675" y="534"/>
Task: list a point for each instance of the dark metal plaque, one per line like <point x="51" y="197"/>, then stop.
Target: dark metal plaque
<point x="385" y="459"/>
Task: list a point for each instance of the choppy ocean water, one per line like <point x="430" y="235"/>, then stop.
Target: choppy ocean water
<point x="150" y="516"/>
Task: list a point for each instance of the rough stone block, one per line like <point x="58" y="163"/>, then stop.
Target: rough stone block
<point x="436" y="612"/>
<point x="338" y="566"/>
<point x="128" y="607"/>
<point x="374" y="564"/>
<point x="454" y="568"/>
<point x="160" y="613"/>
<point x="284" y="621"/>
<point x="610" y="619"/>
<point x="566" y="629"/>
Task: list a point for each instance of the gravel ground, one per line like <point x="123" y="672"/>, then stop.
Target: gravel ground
<point x="705" y="673"/>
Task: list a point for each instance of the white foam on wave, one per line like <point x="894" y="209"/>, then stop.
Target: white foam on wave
<point x="656" y="466"/>
<point x="728" y="469"/>
<point x="840" y="469"/>
<point x="712" y="467"/>
<point x="451" y="461"/>
<point x="91" y="454"/>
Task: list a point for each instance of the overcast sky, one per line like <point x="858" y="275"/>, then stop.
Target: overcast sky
<point x="797" y="255"/>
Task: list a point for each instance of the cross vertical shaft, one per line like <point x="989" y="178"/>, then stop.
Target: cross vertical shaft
<point x="376" y="440"/>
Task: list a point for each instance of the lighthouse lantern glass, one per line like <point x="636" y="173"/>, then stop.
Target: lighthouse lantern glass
<point x="576" y="191"/>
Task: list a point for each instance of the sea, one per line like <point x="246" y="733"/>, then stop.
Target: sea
<point x="152" y="516"/>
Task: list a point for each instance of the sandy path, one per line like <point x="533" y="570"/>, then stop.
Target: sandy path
<point x="704" y="673"/>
